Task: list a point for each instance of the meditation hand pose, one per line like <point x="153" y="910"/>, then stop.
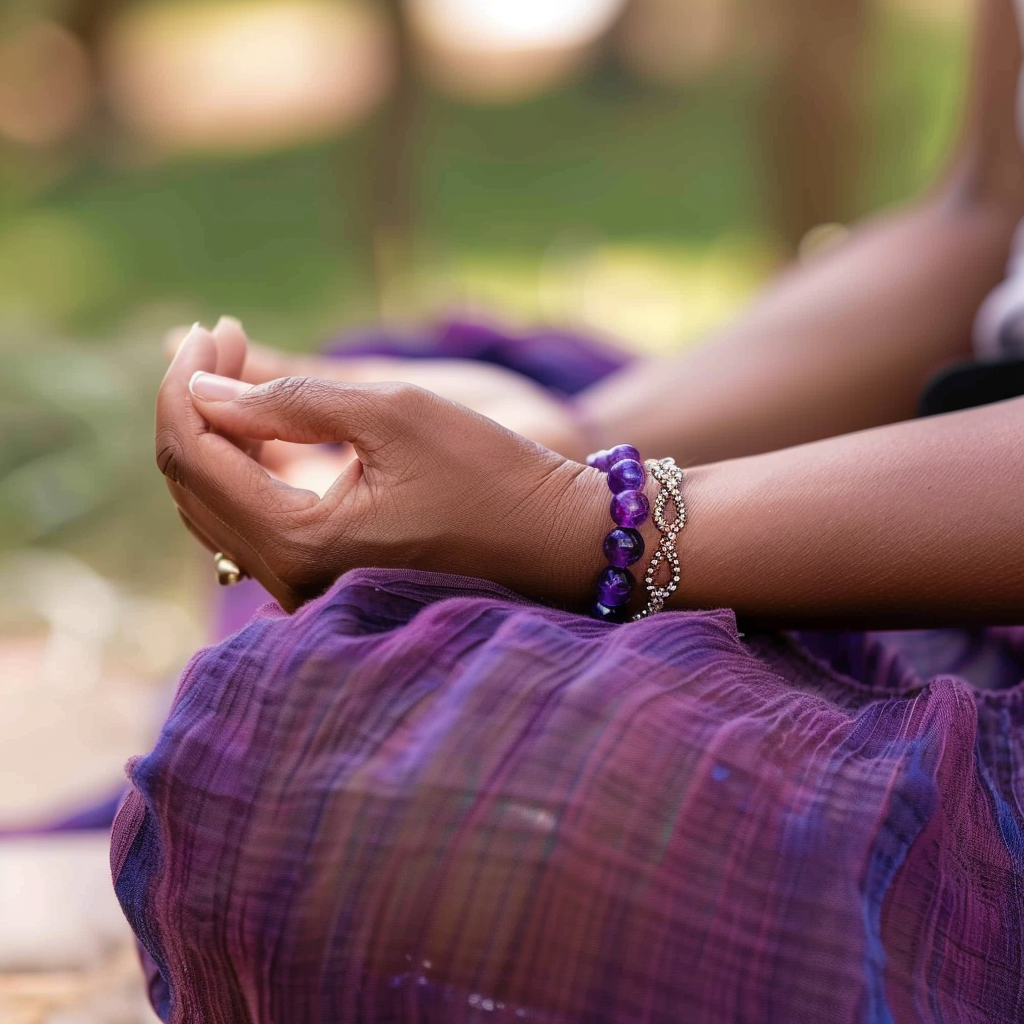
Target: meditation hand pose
<point x="435" y="781"/>
<point x="897" y="526"/>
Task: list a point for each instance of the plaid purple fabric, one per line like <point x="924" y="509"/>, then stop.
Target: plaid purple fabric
<point x="422" y="799"/>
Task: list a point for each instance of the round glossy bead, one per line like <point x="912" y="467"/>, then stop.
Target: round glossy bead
<point x="627" y="475"/>
<point x="597" y="460"/>
<point x="623" y="547"/>
<point x="614" y="587"/>
<point x="606" y="614"/>
<point x="630" y="508"/>
<point x="620" y="452"/>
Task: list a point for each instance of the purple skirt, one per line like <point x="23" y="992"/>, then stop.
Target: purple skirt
<point x="423" y="799"/>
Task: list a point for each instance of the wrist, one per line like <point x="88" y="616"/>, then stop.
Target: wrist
<point x="579" y="521"/>
<point x="574" y="553"/>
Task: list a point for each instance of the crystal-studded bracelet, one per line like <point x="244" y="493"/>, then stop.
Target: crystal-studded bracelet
<point x="623" y="546"/>
<point x="670" y="477"/>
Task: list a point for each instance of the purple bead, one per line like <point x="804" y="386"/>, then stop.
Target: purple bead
<point x="614" y="587"/>
<point x="623" y="451"/>
<point x="627" y="475"/>
<point x="597" y="460"/>
<point x="630" y="508"/>
<point x="606" y="614"/>
<point x="623" y="547"/>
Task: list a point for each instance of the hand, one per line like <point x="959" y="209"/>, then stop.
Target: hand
<point x="309" y="466"/>
<point x="434" y="486"/>
<point x="502" y="395"/>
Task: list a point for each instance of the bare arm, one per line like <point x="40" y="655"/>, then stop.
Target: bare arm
<point x="912" y="524"/>
<point x="915" y="523"/>
<point x="848" y="341"/>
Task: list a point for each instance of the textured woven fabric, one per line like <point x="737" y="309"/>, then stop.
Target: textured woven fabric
<point x="422" y="799"/>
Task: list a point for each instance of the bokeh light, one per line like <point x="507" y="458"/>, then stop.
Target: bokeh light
<point x="505" y="50"/>
<point x="676" y="41"/>
<point x="46" y="85"/>
<point x="520" y="24"/>
<point x="233" y="75"/>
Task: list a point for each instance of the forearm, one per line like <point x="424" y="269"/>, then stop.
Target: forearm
<point x="847" y="342"/>
<point x="913" y="524"/>
<point x="843" y="344"/>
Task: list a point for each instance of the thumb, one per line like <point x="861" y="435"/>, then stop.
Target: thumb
<point x="307" y="410"/>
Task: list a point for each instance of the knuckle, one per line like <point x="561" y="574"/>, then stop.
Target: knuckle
<point x="405" y="404"/>
<point x="282" y="390"/>
<point x="170" y="455"/>
<point x="302" y="399"/>
<point x="404" y="396"/>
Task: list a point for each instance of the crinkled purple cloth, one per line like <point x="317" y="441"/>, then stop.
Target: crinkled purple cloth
<point x="424" y="799"/>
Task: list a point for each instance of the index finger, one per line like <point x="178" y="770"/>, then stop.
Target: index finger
<point x="235" y="489"/>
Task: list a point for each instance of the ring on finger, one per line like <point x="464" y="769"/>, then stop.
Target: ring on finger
<point x="228" y="570"/>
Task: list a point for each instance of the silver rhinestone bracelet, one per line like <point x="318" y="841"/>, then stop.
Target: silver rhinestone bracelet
<point x="670" y="477"/>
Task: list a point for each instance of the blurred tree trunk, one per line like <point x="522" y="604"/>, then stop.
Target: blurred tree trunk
<point x="88" y="19"/>
<point x="609" y="70"/>
<point x="814" y="100"/>
<point x="393" y="177"/>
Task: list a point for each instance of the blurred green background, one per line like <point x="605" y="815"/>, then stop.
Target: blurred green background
<point x="629" y="167"/>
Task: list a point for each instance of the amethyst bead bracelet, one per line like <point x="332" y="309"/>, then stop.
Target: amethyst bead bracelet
<point x="623" y="546"/>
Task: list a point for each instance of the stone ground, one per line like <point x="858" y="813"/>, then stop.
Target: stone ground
<point x="66" y="728"/>
<point x="66" y="955"/>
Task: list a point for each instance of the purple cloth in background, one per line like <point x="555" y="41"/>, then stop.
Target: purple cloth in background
<point x="563" y="361"/>
<point x="422" y="798"/>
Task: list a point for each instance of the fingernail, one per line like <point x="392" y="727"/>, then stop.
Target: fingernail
<point x="212" y="388"/>
<point x="229" y="321"/>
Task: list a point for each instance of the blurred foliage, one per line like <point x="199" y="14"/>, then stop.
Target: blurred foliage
<point x="76" y="466"/>
<point x="281" y="236"/>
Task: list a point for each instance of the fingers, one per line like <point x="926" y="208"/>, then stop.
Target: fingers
<point x="218" y="537"/>
<point x="310" y="411"/>
<point x="232" y="344"/>
<point x="233" y="487"/>
<point x="231" y="340"/>
<point x="197" y="351"/>
<point x="260" y="363"/>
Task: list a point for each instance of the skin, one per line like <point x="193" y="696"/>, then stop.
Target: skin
<point x="423" y="491"/>
<point x="810" y="503"/>
<point x="910" y="524"/>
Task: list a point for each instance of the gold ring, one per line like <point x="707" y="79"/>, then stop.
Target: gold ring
<point x="228" y="572"/>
